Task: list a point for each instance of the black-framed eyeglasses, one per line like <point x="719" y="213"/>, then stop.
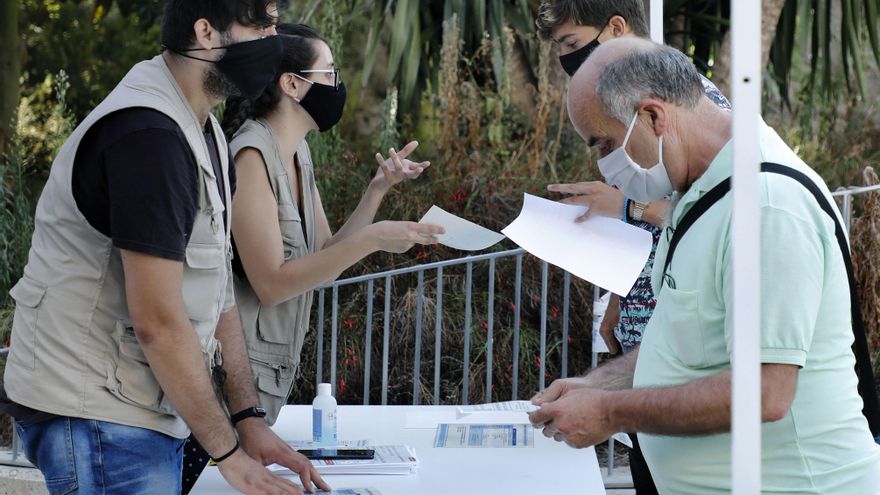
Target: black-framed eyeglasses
<point x="334" y="71"/>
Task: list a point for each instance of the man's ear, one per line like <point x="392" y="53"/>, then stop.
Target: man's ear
<point x="617" y="26"/>
<point x="205" y="35"/>
<point x="658" y="113"/>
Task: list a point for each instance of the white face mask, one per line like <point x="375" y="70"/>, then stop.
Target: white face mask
<point x="641" y="184"/>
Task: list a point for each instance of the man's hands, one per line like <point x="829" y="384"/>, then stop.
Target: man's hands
<point x="248" y="476"/>
<point x="397" y="167"/>
<point x="600" y="198"/>
<point x="265" y="447"/>
<point x="578" y="417"/>
<point x="571" y="412"/>
<point x="399" y="237"/>
<point x="559" y="388"/>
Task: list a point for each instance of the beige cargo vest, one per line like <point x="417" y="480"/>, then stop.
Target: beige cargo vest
<point x="74" y="352"/>
<point x="275" y="335"/>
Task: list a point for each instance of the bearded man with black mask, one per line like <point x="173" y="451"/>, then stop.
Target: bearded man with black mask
<point x="126" y="307"/>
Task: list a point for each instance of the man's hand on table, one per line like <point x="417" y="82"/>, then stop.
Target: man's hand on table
<point x="247" y="476"/>
<point x="261" y="443"/>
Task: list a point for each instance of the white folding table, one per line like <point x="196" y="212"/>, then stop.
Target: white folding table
<point x="548" y="467"/>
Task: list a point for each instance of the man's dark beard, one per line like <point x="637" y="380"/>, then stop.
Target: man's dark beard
<point x="218" y="86"/>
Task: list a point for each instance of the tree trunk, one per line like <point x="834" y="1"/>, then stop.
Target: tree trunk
<point x="10" y="69"/>
<point x="771" y="11"/>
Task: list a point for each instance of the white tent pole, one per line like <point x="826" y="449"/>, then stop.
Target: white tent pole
<point x="657" y="21"/>
<point x="746" y="409"/>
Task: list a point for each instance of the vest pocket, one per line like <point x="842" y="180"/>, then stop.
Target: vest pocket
<point x="28" y="295"/>
<point x="204" y="280"/>
<point x="291" y="227"/>
<point x="132" y="381"/>
<point x="274" y="378"/>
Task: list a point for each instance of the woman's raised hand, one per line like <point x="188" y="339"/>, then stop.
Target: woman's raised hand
<point x="398" y="166"/>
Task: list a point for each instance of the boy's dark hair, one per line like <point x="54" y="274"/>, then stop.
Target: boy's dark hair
<point x="180" y="16"/>
<point x="593" y="13"/>
<point x="300" y="53"/>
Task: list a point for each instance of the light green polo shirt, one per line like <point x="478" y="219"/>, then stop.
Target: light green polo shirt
<point x="823" y="445"/>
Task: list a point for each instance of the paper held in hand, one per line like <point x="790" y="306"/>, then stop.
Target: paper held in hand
<point x="604" y="251"/>
<point x="495" y="407"/>
<point x="460" y="233"/>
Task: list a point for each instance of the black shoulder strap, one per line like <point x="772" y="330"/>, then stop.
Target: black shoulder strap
<point x="865" y="372"/>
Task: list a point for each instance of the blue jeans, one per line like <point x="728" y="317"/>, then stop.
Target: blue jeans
<point x="83" y="456"/>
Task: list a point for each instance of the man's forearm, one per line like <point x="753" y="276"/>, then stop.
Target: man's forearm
<point x="177" y="361"/>
<point x="701" y="407"/>
<point x="614" y="375"/>
<point x="239" y="384"/>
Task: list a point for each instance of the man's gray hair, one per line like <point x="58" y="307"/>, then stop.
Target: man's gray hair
<point x="659" y="71"/>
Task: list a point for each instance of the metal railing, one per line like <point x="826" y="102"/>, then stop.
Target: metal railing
<point x="467" y="325"/>
<point x="844" y="195"/>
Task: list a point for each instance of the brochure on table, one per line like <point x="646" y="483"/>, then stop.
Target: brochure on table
<point x="484" y="436"/>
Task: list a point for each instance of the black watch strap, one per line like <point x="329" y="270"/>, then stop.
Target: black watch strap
<point x="251" y="412"/>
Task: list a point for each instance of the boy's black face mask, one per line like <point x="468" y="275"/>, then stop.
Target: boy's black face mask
<point x="571" y="62"/>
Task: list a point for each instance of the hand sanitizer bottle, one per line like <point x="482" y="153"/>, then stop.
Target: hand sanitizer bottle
<point x="324" y="417"/>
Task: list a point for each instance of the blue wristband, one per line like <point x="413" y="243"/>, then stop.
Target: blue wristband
<point x="625" y="216"/>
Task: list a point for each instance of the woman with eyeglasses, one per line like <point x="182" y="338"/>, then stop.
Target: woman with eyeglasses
<point x="284" y="246"/>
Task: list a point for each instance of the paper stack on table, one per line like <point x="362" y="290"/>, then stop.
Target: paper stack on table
<point x="389" y="459"/>
<point x="604" y="251"/>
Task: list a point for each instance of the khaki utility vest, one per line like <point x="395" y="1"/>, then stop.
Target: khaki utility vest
<point x="275" y="335"/>
<point x="74" y="350"/>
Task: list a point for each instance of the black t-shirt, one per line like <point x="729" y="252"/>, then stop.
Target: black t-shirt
<point x="136" y="181"/>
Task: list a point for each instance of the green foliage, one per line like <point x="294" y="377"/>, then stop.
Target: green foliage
<point x="94" y="44"/>
<point x="21" y="181"/>
<point x="16" y="218"/>
<point x="805" y="34"/>
<point x="414" y="38"/>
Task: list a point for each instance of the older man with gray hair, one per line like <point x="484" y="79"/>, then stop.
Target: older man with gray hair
<point x="641" y="106"/>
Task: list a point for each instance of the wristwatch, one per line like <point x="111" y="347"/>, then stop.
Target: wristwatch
<point x="251" y="412"/>
<point x="638" y="211"/>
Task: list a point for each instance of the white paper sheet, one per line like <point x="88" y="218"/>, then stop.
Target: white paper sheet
<point x="523" y="406"/>
<point x="599" y="309"/>
<point x="428" y="419"/>
<point x="604" y="251"/>
<point x="460" y="233"/>
<point x="484" y="436"/>
<point x="623" y="438"/>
